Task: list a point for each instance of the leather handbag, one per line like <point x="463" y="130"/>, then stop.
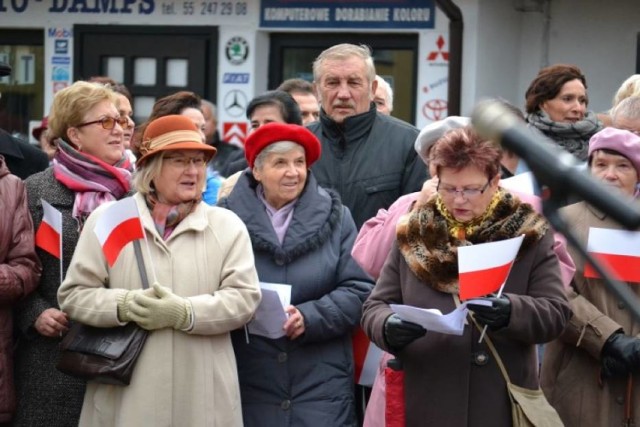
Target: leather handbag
<point x="104" y="355"/>
<point x="529" y="408"/>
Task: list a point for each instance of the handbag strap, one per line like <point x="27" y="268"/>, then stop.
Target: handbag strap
<point x="140" y="259"/>
<point x="493" y="350"/>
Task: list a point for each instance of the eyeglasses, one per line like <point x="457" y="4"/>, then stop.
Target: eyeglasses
<point x="108" y="123"/>
<point x="185" y="162"/>
<point x="465" y="193"/>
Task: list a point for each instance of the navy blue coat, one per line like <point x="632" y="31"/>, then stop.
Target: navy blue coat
<point x="307" y="381"/>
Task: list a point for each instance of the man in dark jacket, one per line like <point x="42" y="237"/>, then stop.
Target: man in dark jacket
<point x="21" y="158"/>
<point x="366" y="156"/>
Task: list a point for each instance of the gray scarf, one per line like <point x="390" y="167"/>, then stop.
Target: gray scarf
<point x="572" y="137"/>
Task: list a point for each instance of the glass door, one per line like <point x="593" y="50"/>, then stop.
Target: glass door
<point x="22" y="97"/>
<point x="395" y="57"/>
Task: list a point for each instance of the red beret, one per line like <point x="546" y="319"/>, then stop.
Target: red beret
<point x="280" y="132"/>
<point x="44" y="125"/>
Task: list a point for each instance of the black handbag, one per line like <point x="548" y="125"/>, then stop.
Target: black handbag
<point x="104" y="355"/>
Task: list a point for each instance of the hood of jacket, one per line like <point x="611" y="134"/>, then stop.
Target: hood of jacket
<point x="316" y="214"/>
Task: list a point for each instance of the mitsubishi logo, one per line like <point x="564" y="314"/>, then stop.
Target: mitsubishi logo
<point x="433" y="55"/>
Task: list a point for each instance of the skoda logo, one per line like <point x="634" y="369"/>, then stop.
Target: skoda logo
<point x="235" y="103"/>
<point x="237" y="50"/>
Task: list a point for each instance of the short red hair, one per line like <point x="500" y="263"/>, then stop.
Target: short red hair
<point x="460" y="148"/>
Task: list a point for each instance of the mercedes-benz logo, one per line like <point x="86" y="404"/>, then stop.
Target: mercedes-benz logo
<point x="235" y="103"/>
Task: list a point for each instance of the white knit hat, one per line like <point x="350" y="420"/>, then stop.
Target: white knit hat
<point x="434" y="131"/>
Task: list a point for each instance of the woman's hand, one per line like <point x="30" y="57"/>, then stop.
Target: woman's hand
<point x="52" y="323"/>
<point x="429" y="188"/>
<point x="294" y="326"/>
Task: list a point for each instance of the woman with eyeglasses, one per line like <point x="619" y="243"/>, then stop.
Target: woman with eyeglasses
<point x="591" y="374"/>
<point x="89" y="168"/>
<point x="204" y="286"/>
<point x="454" y="380"/>
<point x="124" y="104"/>
<point x="190" y="105"/>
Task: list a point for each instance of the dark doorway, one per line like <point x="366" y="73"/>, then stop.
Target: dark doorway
<point x="22" y="97"/>
<point x="150" y="61"/>
<point x="395" y="57"/>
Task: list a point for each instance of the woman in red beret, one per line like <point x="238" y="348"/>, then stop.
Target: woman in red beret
<point x="205" y="285"/>
<point x="302" y="236"/>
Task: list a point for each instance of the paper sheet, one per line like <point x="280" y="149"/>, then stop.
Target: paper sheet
<point x="270" y="316"/>
<point x="433" y="320"/>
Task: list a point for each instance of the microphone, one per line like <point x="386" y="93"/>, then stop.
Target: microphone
<point x="559" y="170"/>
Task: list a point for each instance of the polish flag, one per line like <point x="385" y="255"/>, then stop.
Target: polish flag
<point x="118" y="225"/>
<point x="366" y="357"/>
<point x="484" y="268"/>
<point x="618" y="250"/>
<point x="49" y="234"/>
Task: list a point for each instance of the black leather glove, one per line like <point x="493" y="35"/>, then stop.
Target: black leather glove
<point x="495" y="316"/>
<point x="620" y="355"/>
<point x="399" y="333"/>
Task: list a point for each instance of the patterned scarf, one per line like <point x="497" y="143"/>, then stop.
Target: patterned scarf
<point x="431" y="251"/>
<point x="93" y="181"/>
<point x="165" y="216"/>
<point x="572" y="137"/>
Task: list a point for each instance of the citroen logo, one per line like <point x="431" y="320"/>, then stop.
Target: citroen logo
<point x="235" y="103"/>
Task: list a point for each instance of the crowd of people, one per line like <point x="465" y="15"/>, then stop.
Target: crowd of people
<point x="349" y="209"/>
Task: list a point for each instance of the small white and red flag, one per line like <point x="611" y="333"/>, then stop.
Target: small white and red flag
<point x="49" y="234"/>
<point x="484" y="268"/>
<point x="118" y="225"/>
<point x="366" y="357"/>
<point x="618" y="250"/>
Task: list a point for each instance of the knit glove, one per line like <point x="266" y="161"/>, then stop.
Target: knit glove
<point x="165" y="310"/>
<point x="399" y="333"/>
<point x="496" y="315"/>
<point x="620" y="355"/>
<point x="126" y="299"/>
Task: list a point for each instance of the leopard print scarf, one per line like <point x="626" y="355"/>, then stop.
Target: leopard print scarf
<point x="431" y="252"/>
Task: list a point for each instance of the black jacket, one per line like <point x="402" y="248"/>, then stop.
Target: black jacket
<point x="369" y="160"/>
<point x="226" y="155"/>
<point x="22" y="158"/>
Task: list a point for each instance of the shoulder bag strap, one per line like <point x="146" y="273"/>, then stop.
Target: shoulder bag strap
<point x="141" y="266"/>
<point x="489" y="343"/>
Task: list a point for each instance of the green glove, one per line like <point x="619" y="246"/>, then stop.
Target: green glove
<point x="126" y="299"/>
<point x="165" y="310"/>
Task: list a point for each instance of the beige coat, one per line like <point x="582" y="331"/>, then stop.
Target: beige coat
<point x="571" y="364"/>
<point x="181" y="378"/>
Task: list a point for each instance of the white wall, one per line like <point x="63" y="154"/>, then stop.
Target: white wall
<point x="504" y="48"/>
<point x="601" y="38"/>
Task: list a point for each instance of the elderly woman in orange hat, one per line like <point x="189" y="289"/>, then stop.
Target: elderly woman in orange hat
<point x="302" y="236"/>
<point x="206" y="285"/>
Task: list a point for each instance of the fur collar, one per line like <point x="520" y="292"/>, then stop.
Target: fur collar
<point x="432" y="253"/>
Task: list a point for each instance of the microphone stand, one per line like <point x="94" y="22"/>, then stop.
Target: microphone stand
<point x="550" y="207"/>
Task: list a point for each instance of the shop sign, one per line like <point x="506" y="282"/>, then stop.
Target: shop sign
<point x="348" y="14"/>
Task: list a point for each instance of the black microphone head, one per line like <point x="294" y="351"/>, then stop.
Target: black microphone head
<point x="491" y="119"/>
